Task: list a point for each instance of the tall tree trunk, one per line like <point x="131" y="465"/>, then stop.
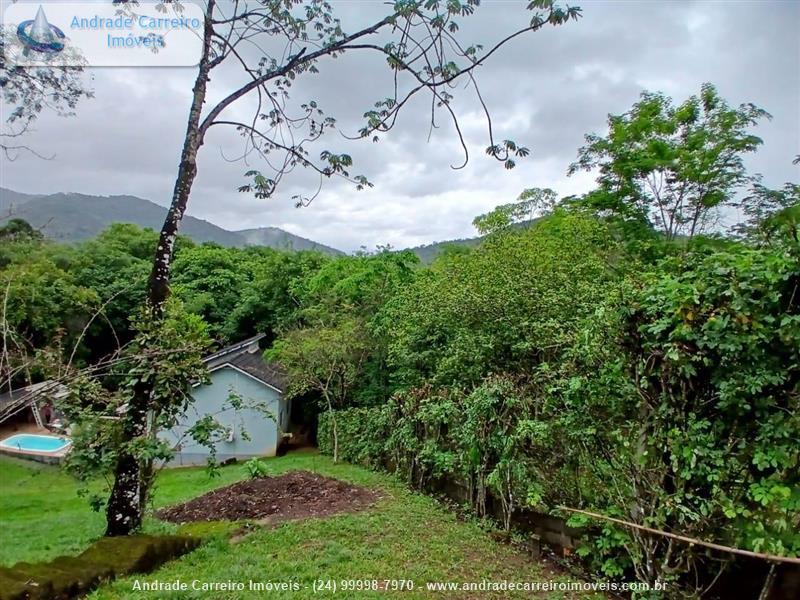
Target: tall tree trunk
<point x="334" y="428"/>
<point x="335" y="440"/>
<point x="127" y="500"/>
<point x="131" y="477"/>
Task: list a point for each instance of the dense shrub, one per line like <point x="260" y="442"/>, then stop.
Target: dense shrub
<point x="668" y="398"/>
<point x="714" y="358"/>
<point x="362" y="433"/>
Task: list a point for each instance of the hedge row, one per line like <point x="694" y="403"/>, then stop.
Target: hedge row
<point x="69" y="577"/>
<point x="362" y="435"/>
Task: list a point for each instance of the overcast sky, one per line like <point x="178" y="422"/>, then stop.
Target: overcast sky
<point x="545" y="90"/>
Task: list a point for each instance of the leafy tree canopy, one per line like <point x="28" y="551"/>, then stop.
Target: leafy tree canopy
<point x="672" y="166"/>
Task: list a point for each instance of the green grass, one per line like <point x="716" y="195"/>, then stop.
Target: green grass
<point x="404" y="536"/>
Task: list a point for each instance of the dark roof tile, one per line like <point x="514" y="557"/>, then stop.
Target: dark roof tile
<point x="255" y="365"/>
<point x="246" y="356"/>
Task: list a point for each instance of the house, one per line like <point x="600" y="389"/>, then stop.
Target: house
<point x="32" y="406"/>
<point x="239" y="369"/>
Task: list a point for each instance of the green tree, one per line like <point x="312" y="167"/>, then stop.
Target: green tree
<point x="672" y="166"/>
<point x="772" y="215"/>
<point x="18" y="241"/>
<point x="115" y="265"/>
<point x="135" y="241"/>
<point x="209" y="279"/>
<point x="333" y="347"/>
<point x="508" y="306"/>
<point x="421" y="46"/>
<point x="702" y="439"/>
<point x="266" y="302"/>
<point x="17" y="230"/>
<point x="353" y="290"/>
<point x="42" y="302"/>
<point x="328" y="360"/>
<point x="531" y="203"/>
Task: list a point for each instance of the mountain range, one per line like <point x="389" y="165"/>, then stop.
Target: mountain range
<point x="75" y="217"/>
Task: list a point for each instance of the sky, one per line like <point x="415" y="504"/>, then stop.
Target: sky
<point x="545" y="90"/>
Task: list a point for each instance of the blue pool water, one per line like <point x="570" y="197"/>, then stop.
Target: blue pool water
<point x="34" y="443"/>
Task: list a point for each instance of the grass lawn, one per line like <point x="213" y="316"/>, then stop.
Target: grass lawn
<point x="404" y="536"/>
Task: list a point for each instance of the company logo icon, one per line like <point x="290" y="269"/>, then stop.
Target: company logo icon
<point x="41" y="36"/>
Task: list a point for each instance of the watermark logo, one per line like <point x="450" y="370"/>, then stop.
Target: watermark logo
<point x="40" y="36"/>
<point x="102" y="34"/>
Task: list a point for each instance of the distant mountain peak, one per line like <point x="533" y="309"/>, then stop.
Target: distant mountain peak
<point x="72" y="216"/>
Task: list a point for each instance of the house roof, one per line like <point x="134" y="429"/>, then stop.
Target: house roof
<point x="14" y="400"/>
<point x="30" y="392"/>
<point x="263" y="370"/>
<point x="243" y="346"/>
<point x="247" y="357"/>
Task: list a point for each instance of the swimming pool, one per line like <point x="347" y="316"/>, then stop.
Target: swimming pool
<point x="28" y="442"/>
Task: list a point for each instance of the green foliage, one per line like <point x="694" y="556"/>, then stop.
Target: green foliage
<point x="362" y="433"/>
<point x="773" y="216"/>
<point x="515" y="305"/>
<point x="719" y="365"/>
<point x="166" y="356"/>
<point x="19" y="230"/>
<point x="323" y="359"/>
<point x="255" y="468"/>
<point x="55" y="291"/>
<point x="209" y="279"/>
<point x="548" y="367"/>
<point x="131" y="240"/>
<point x="531" y="202"/>
<point x="699" y="413"/>
<point x="334" y="347"/>
<point x="116" y="265"/>
<point x="43" y="301"/>
<point x="516" y="301"/>
<point x="79" y="298"/>
<point x="265" y="301"/>
<point x="672" y="165"/>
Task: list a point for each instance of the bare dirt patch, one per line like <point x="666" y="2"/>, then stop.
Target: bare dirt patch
<point x="295" y="495"/>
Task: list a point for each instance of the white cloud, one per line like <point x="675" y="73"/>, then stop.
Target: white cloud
<point x="545" y="91"/>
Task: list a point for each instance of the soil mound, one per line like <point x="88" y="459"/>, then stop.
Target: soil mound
<point x="295" y="495"/>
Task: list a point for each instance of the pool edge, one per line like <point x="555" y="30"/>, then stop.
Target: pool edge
<point x="50" y="458"/>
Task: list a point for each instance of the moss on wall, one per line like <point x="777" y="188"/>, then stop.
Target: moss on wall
<point x="68" y="577"/>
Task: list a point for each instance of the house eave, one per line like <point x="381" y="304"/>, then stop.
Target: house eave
<point x="243" y="372"/>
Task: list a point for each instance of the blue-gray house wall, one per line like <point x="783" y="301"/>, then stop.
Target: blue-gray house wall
<point x="263" y="432"/>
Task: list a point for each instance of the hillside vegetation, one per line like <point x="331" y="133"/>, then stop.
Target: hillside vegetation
<point x="620" y="354"/>
<point x="78" y="217"/>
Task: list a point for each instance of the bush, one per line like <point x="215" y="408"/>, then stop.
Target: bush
<point x="254" y="468"/>
<point x="674" y="403"/>
<point x="362" y="434"/>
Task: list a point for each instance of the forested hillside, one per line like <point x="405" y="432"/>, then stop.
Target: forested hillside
<point x="78" y="217"/>
<point x="621" y="354"/>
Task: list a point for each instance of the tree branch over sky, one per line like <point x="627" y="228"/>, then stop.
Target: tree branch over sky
<point x="274" y="43"/>
<point x="27" y="92"/>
